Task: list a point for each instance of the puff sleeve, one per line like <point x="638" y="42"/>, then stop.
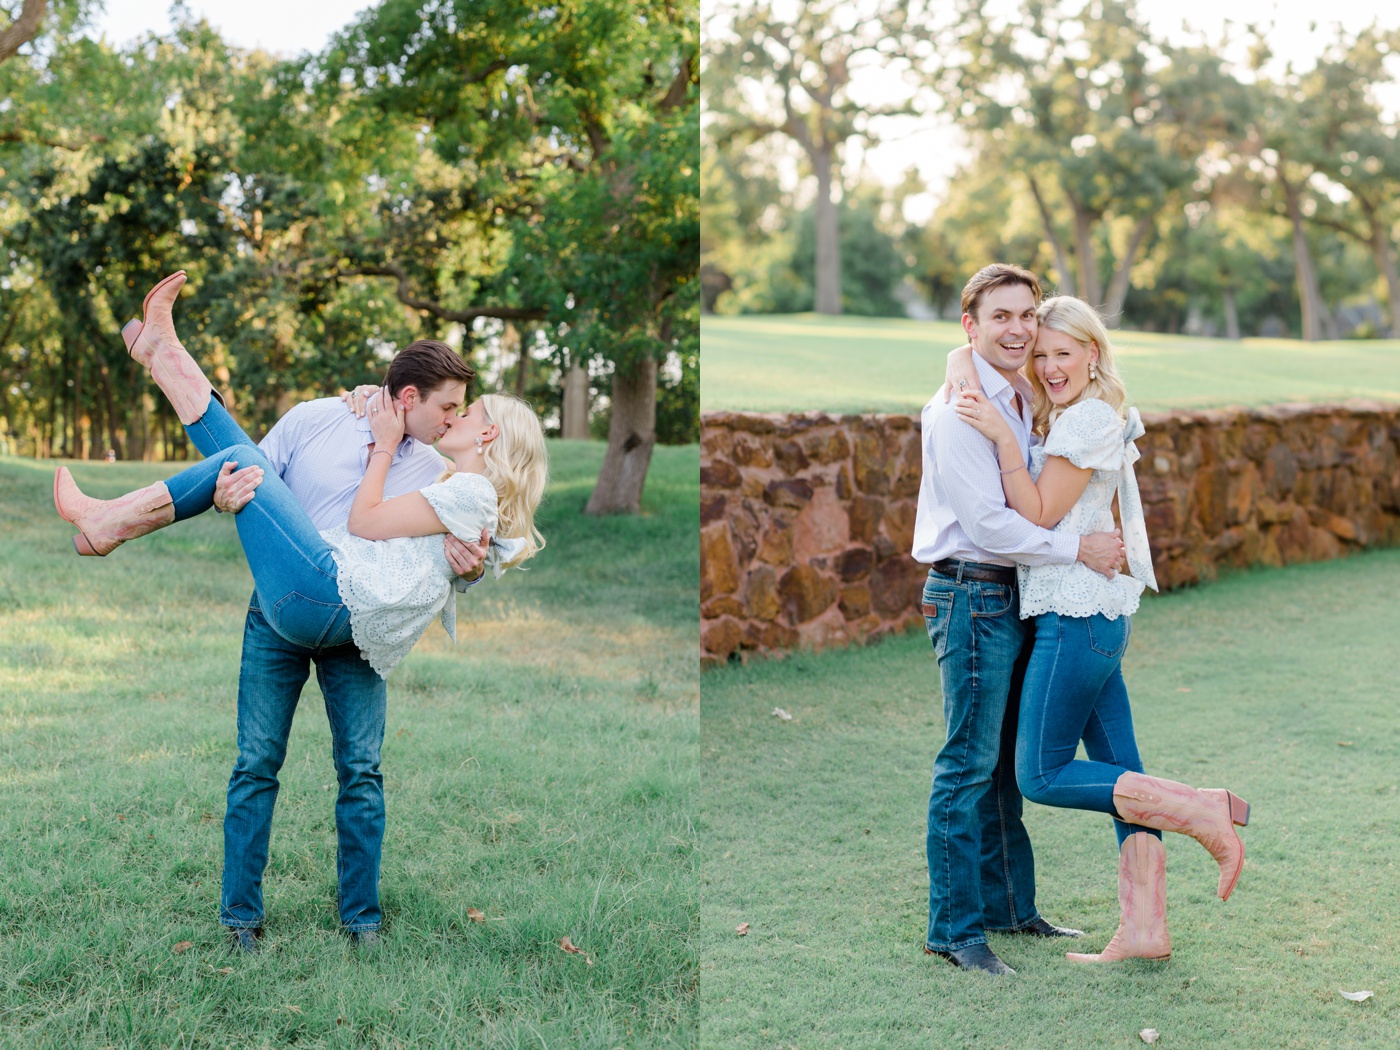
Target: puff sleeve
<point x="1089" y="435"/>
<point x="466" y="504"/>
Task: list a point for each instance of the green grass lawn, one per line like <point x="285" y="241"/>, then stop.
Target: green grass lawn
<point x="1277" y="683"/>
<point x="543" y="772"/>
<point x="803" y="362"/>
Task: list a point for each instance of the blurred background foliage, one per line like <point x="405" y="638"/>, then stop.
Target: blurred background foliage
<point x="1177" y="186"/>
<point x="519" y="179"/>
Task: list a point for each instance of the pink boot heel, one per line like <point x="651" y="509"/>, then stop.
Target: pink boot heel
<point x="1208" y="815"/>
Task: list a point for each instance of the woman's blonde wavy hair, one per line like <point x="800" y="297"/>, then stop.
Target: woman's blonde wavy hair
<point x="1081" y="322"/>
<point x="517" y="465"/>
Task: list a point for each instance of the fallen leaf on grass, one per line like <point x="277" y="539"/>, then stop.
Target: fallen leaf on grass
<point x="293" y="1009"/>
<point x="569" y="947"/>
<point x="778" y="712"/>
<point x="225" y="971"/>
<point x="742" y="929"/>
<point x="1149" y="1035"/>
<point x="1357" y="997"/>
<point x="1345" y="743"/>
<point x="475" y="915"/>
<point x="183" y="946"/>
<point x="1179" y="689"/>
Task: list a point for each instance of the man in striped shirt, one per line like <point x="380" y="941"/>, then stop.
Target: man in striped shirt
<point x="981" y="868"/>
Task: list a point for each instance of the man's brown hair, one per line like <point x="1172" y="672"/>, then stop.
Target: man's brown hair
<point x="995" y="276"/>
<point x="426" y="364"/>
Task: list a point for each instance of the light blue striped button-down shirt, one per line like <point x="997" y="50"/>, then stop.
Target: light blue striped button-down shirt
<point x="962" y="509"/>
<point x="320" y="449"/>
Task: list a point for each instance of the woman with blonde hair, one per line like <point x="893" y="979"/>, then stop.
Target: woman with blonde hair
<point x="1073" y="688"/>
<point x="381" y="578"/>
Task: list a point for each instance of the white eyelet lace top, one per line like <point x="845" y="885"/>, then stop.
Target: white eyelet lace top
<point x="1090" y="434"/>
<point x="394" y="588"/>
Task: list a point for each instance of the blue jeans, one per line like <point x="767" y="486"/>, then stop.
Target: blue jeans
<point x="981" y="869"/>
<point x="295" y="617"/>
<point x="1074" y="690"/>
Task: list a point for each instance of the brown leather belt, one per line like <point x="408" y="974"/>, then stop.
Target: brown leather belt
<point x="975" y="570"/>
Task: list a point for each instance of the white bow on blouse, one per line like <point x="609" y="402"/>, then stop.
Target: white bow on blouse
<point x="502" y="551"/>
<point x="1130" y="504"/>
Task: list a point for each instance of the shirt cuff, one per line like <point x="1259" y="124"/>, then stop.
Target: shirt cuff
<point x="1065" y="547"/>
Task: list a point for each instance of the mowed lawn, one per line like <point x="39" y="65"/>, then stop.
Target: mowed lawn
<point x="801" y="363"/>
<point x="542" y="773"/>
<point x="1279" y="684"/>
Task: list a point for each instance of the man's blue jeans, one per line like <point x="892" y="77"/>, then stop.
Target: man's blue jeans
<point x="304" y="621"/>
<point x="981" y="870"/>
<point x="269" y="684"/>
<point x="1074" y="690"/>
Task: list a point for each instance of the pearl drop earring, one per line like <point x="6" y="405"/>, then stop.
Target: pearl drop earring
<point x="480" y="449"/>
<point x="1093" y="372"/>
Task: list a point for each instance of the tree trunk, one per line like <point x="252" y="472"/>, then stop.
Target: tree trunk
<point x="1232" y="314"/>
<point x="109" y="410"/>
<point x="1385" y="263"/>
<point x="1309" y="295"/>
<point x="510" y="344"/>
<point x="573" y="424"/>
<point x="631" y="436"/>
<point x="77" y="449"/>
<point x="1067" y="282"/>
<point x="1090" y="289"/>
<point x="22" y="29"/>
<point x="828" y="284"/>
<point x="1118" y="287"/>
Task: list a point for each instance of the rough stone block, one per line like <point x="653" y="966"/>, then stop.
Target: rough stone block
<point x="719" y="569"/>
<point x="805" y="593"/>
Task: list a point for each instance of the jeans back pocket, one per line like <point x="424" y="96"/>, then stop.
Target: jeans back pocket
<point x="307" y="622"/>
<point x="1109" y="637"/>
<point x="938" y="612"/>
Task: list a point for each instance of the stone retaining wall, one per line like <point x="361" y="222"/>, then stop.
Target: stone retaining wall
<point x="806" y="520"/>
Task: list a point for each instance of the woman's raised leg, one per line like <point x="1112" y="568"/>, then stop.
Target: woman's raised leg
<point x="154" y="343"/>
<point x="294" y="571"/>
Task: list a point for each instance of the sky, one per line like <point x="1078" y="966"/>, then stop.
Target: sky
<point x="935" y="149"/>
<point x="286" y="27"/>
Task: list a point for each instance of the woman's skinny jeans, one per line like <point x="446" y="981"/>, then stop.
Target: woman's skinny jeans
<point x="294" y="573"/>
<point x="1074" y="691"/>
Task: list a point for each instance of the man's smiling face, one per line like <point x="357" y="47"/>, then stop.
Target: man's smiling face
<point x="1003" y="330"/>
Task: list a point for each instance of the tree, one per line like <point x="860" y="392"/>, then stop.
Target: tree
<point x="876" y="266"/>
<point x="1105" y="124"/>
<point x="566" y="181"/>
<point x="801" y="68"/>
<point x="1354" y="147"/>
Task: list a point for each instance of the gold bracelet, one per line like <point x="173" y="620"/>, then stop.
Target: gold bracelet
<point x="381" y="452"/>
<point x="1014" y="469"/>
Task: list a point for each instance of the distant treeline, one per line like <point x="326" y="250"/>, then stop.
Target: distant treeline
<point x="1174" y="190"/>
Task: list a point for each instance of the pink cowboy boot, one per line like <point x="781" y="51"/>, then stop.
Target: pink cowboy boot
<point x="153" y="343"/>
<point x="1208" y="815"/>
<point x="107" y="523"/>
<point x="1142" y="903"/>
